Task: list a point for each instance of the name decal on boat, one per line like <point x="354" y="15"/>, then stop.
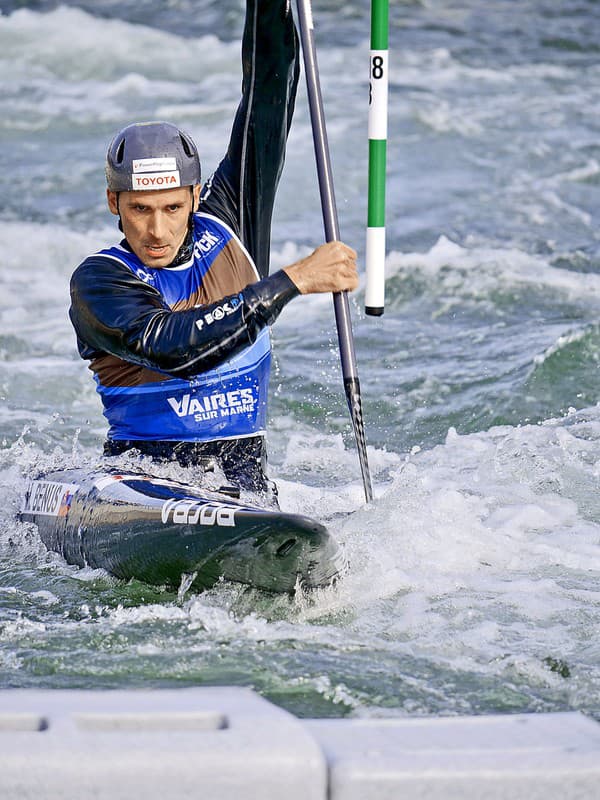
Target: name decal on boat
<point x="49" y="498"/>
<point x="194" y="512"/>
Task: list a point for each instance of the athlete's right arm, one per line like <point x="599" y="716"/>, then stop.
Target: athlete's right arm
<point x="114" y="312"/>
<point x="242" y="190"/>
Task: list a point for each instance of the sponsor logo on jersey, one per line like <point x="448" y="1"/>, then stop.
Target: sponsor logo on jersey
<point x="206" y="243"/>
<point x="220" y="312"/>
<point x="156" y="180"/>
<point x="215" y="405"/>
<point x="147" y="277"/>
<point x="198" y="512"/>
<point x="49" y="498"/>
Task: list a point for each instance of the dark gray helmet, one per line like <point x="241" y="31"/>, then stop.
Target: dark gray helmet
<point x="151" y="155"/>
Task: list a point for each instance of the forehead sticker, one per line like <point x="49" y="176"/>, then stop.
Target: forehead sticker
<point x="156" y="180"/>
<point x="166" y="164"/>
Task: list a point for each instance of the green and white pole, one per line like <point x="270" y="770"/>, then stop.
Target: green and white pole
<point x="378" y="116"/>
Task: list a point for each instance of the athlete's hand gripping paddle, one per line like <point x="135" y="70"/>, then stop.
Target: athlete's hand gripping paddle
<point x="330" y="222"/>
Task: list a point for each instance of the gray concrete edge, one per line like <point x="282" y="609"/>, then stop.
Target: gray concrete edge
<point x="228" y="742"/>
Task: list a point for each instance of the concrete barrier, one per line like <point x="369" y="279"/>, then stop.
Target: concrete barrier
<point x="508" y="757"/>
<point x="222" y="743"/>
<point x="219" y="743"/>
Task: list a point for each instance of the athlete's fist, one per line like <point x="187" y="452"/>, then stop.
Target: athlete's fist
<point x="329" y="268"/>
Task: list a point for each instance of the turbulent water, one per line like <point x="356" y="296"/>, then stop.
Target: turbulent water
<point x="474" y="581"/>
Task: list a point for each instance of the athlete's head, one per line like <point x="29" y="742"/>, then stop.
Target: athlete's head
<point x="153" y="179"/>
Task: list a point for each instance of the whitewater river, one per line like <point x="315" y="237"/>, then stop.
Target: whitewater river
<point x="475" y="575"/>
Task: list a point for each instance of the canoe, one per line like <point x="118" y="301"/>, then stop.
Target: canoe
<point x="162" y="532"/>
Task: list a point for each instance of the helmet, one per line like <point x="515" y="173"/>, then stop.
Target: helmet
<point x="151" y="155"/>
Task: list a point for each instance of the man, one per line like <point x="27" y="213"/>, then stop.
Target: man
<point x="175" y="319"/>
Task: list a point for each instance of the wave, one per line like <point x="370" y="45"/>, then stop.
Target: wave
<point x="567" y="371"/>
<point x="74" y="45"/>
<point x="449" y="269"/>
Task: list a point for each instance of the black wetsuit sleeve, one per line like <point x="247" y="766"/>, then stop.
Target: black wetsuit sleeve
<point x="242" y="190"/>
<point x="115" y="312"/>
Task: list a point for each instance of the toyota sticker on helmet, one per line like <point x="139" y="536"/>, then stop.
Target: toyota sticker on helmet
<point x="156" y="180"/>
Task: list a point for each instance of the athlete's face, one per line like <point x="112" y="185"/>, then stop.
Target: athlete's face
<point x="155" y="223"/>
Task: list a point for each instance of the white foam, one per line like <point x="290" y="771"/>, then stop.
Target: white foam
<point x="477" y="270"/>
<point x="472" y="553"/>
<point x="77" y="45"/>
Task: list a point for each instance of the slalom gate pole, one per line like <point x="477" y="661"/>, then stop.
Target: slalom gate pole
<point x="378" y="113"/>
<point x="330" y="222"/>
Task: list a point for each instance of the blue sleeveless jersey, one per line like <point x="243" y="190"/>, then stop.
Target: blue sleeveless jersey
<point x="223" y="403"/>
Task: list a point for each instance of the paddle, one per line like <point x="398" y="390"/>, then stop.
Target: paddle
<point x="330" y="222"/>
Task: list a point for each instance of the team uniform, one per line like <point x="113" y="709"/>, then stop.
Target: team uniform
<point x="181" y="354"/>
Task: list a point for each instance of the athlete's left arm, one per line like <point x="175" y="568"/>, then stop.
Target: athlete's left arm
<point x="242" y="190"/>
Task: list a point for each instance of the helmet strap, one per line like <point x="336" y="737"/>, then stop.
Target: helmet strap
<point x="120" y="223"/>
<point x="191" y="217"/>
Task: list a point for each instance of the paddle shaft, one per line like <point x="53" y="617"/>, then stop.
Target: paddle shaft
<point x="330" y="223"/>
